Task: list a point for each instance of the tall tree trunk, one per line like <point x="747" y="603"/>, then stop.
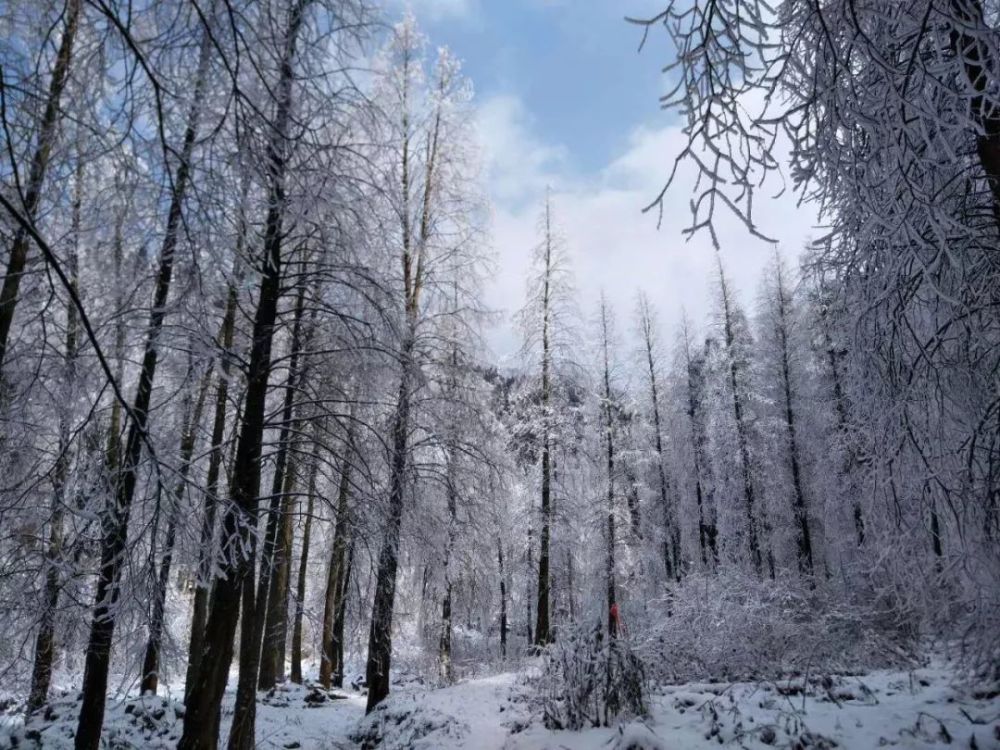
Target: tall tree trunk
<point x="843" y="430"/>
<point x="380" y="633"/>
<point x="570" y="595"/>
<point x="149" y="677"/>
<point x="631" y="482"/>
<point x="742" y="429"/>
<point x="707" y="532"/>
<point x="671" y="542"/>
<point x="47" y="134"/>
<point x="272" y="665"/>
<point x="335" y="571"/>
<point x="115" y="521"/>
<point x="41" y="673"/>
<point x="542" y="609"/>
<point x="300" y="587"/>
<point x="975" y="54"/>
<point x="206" y="550"/>
<point x="609" y="559"/>
<point x="804" y="541"/>
<point x="378" y="665"/>
<point x="112" y="454"/>
<point x="338" y="623"/>
<point x="503" y="601"/>
<point x="528" y="595"/>
<point x="273" y="569"/>
<point x="201" y="723"/>
<point x="252" y="634"/>
<point x="446" y="670"/>
<point x="445" y="666"/>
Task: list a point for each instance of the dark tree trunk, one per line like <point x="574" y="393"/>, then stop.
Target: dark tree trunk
<point x="47" y="135"/>
<point x="300" y="587"/>
<point x="609" y="559"/>
<point x="542" y="609"/>
<point x="149" y="677"/>
<point x="804" y="540"/>
<point x="742" y="428"/>
<point x="503" y="602"/>
<point x="252" y="657"/>
<point x="843" y="430"/>
<point x="115" y="522"/>
<point x="707" y="532"/>
<point x="380" y="633"/>
<point x="274" y="562"/>
<point x="335" y="571"/>
<point x="975" y="55"/>
<point x="445" y="667"/>
<point x="41" y="673"/>
<point x="338" y="623"/>
<point x="529" y="593"/>
<point x="569" y="586"/>
<point x="206" y="551"/>
<point x="632" y="500"/>
<point x="272" y="666"/>
<point x="201" y="723"/>
<point x="671" y="541"/>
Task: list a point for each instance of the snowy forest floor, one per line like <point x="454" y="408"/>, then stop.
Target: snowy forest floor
<point x="921" y="708"/>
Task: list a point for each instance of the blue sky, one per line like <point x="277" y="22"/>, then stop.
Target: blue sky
<point x="574" y="64"/>
<point x="564" y="100"/>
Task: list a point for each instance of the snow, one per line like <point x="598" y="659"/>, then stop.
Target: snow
<point x="909" y="710"/>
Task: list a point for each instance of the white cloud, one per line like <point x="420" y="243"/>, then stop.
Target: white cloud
<point x="518" y="164"/>
<point x="441" y="10"/>
<point x="613" y="245"/>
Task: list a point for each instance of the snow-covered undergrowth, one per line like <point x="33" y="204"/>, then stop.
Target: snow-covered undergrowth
<point x="588" y="680"/>
<point x="139" y="722"/>
<point x="736" y="627"/>
<point x="920" y="709"/>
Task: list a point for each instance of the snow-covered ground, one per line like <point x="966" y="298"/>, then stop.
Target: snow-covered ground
<point x="923" y="708"/>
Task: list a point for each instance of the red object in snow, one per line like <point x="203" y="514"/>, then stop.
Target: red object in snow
<point x="615" y="621"/>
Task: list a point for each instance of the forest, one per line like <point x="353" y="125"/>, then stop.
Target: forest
<point x="265" y="482"/>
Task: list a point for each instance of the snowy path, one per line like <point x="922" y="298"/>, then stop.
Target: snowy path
<point x="919" y="710"/>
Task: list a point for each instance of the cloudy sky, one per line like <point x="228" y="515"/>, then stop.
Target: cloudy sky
<point x="565" y="100"/>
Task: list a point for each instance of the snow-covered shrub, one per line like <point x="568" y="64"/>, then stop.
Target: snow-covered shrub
<point x="140" y="722"/>
<point x="732" y="626"/>
<point x="396" y="725"/>
<point x="588" y="680"/>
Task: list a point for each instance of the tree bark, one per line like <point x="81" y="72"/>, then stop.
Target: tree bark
<point x="503" y="601"/>
<point x="201" y="723"/>
<point x="380" y="633"/>
<point x="338" y="623"/>
<point x="47" y="135"/>
<point x="804" y="540"/>
<point x="41" y="674"/>
<point x="843" y="430"/>
<point x="671" y="541"/>
<point x="609" y="559"/>
<point x="335" y="571"/>
<point x="149" y="677"/>
<point x="980" y="70"/>
<point x="206" y="551"/>
<point x="446" y="669"/>
<point x="272" y="666"/>
<point x="707" y="532"/>
<point x="542" y="609"/>
<point x="300" y="588"/>
<point x="378" y="665"/>
<point x="742" y="429"/>
<point x="115" y="521"/>
<point x="274" y="561"/>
